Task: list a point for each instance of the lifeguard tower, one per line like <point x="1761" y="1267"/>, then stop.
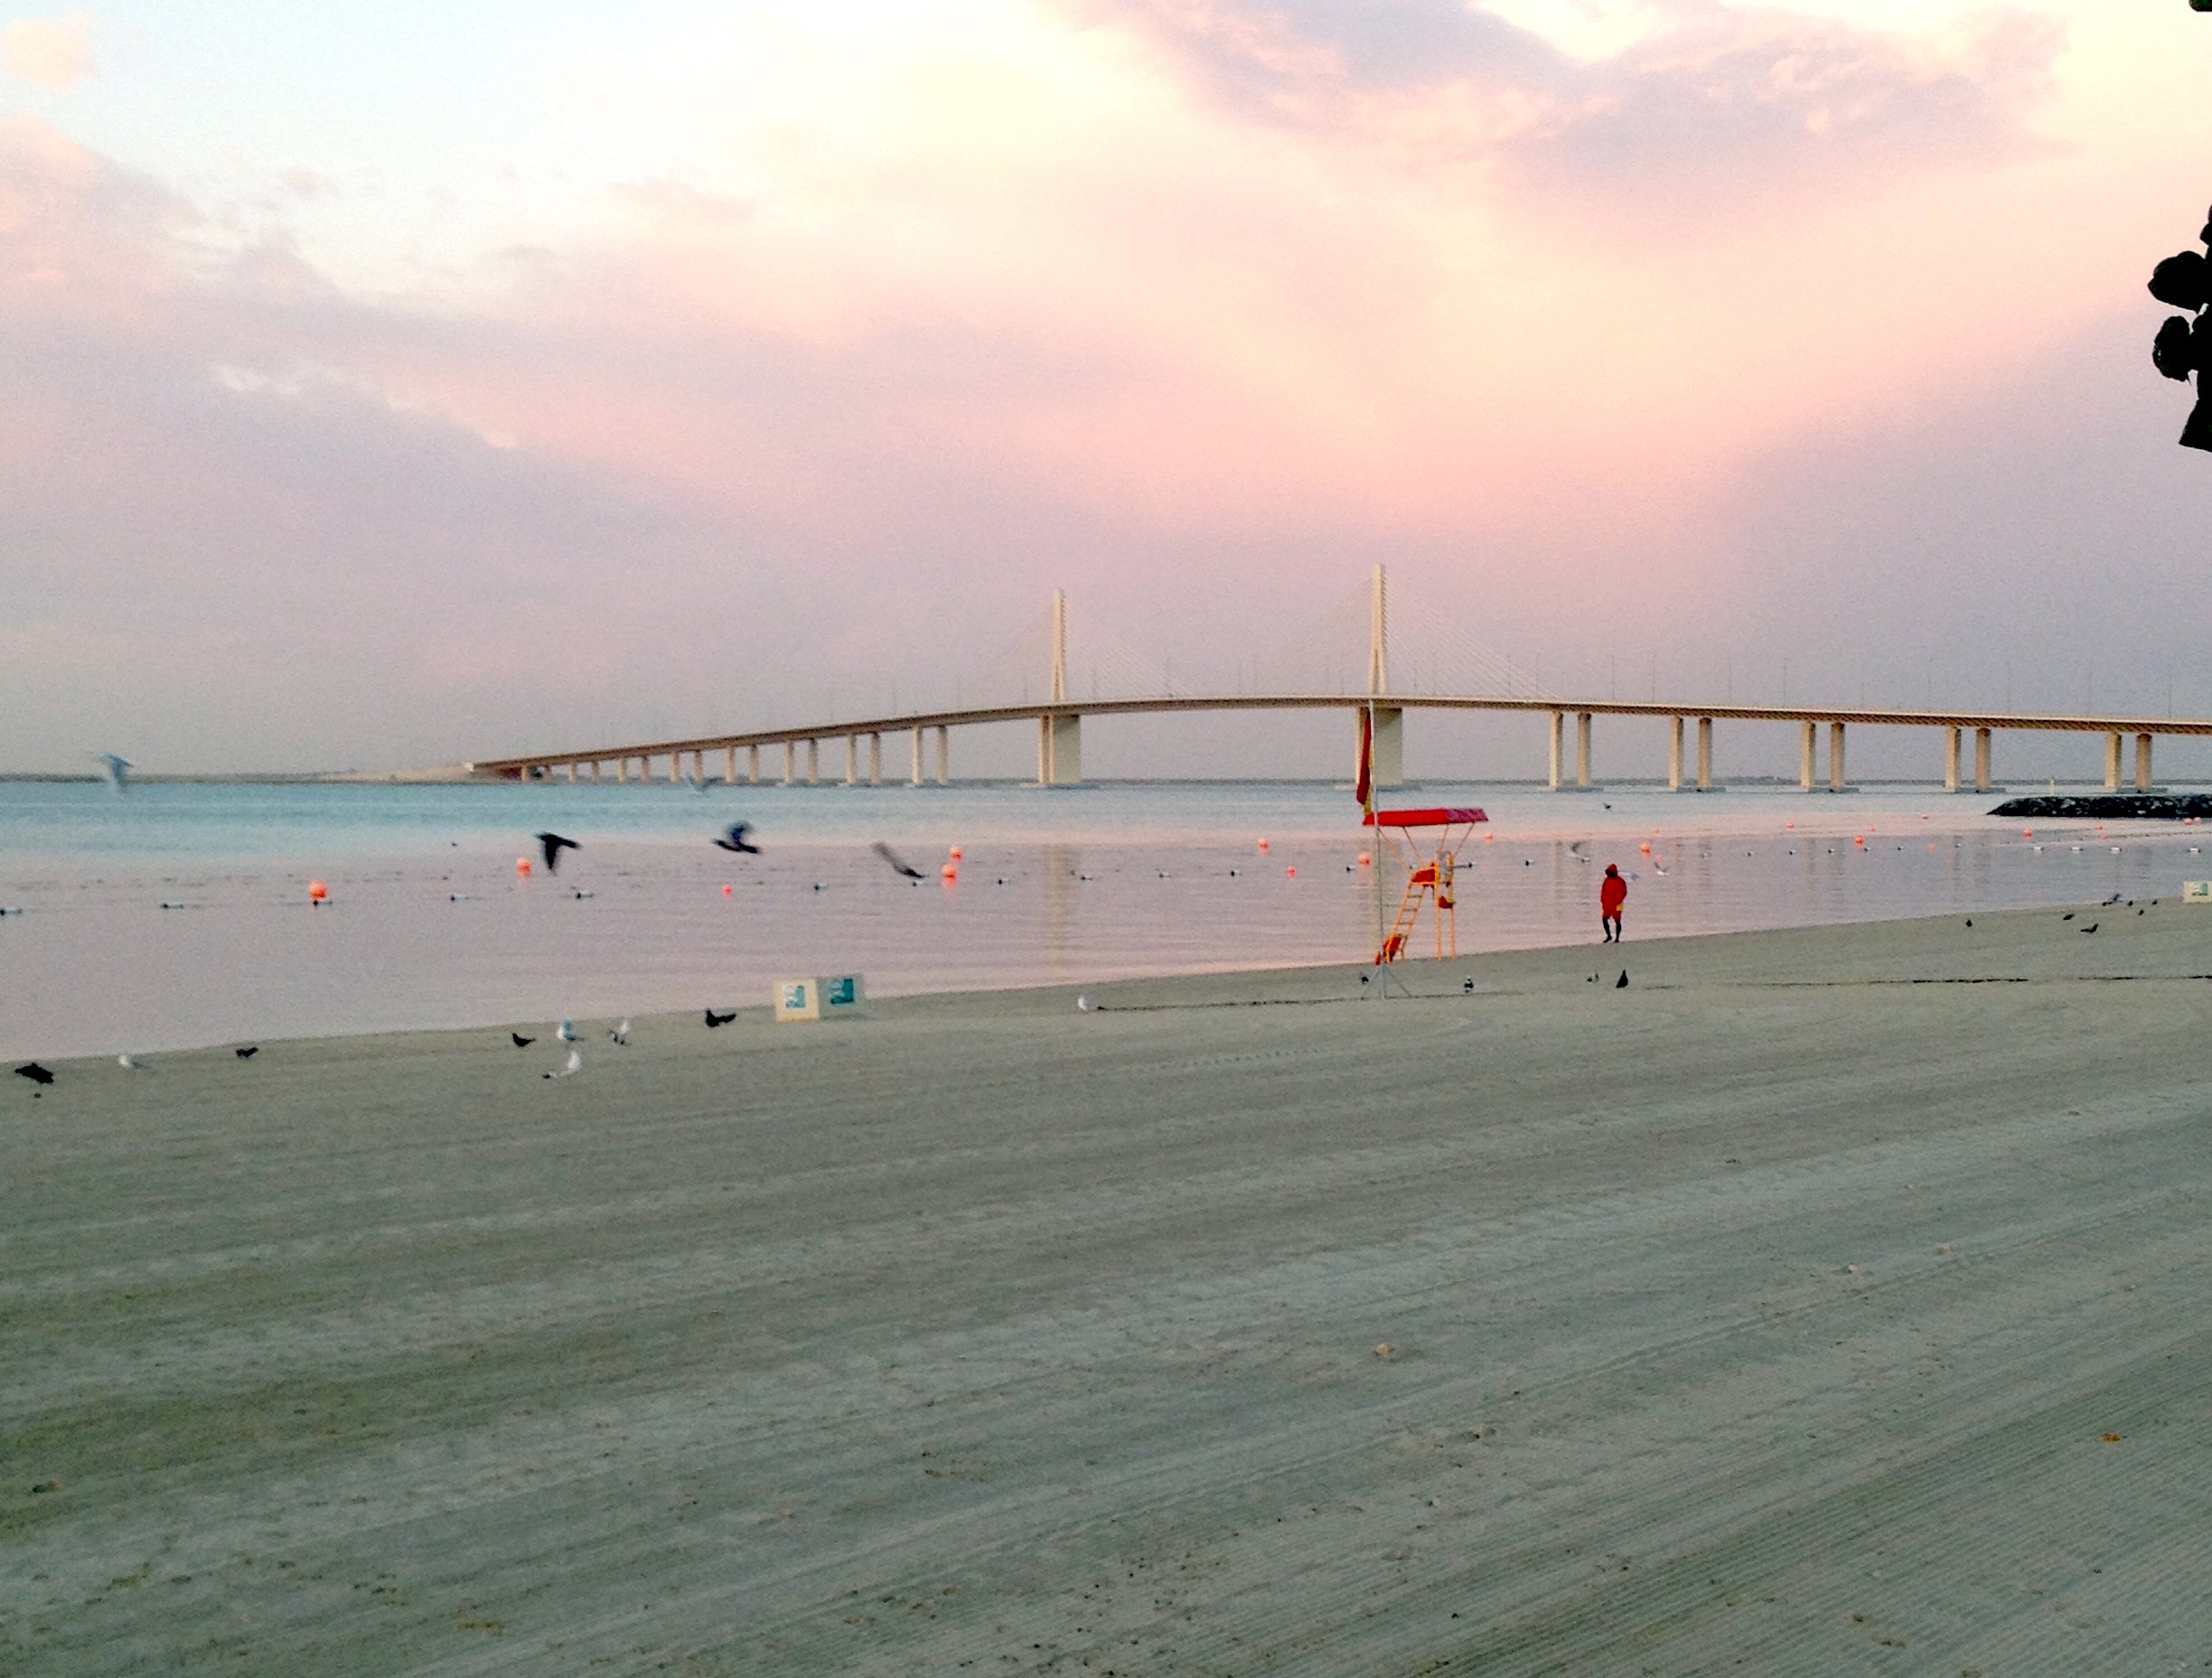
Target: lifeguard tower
<point x="1431" y="866"/>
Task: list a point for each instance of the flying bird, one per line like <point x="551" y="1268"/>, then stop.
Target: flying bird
<point x="2068" y="915"/>
<point x="566" y="1031"/>
<point x="735" y="840"/>
<point x="574" y="1065"/>
<point x="713" y="1019"/>
<point x="1622" y="982"/>
<point x="521" y="1042"/>
<point x="552" y="844"/>
<point x="620" y="1035"/>
<point x="898" y="864"/>
<point x="249" y="1051"/>
<point x="118" y="768"/>
<point x="35" y="1071"/>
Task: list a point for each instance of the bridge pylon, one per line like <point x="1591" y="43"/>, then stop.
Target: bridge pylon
<point x="1386" y="767"/>
<point x="1059" y="733"/>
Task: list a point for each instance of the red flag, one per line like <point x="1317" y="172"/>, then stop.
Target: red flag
<point x="1365" y="789"/>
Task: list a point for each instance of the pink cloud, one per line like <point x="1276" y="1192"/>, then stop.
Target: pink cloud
<point x="54" y="52"/>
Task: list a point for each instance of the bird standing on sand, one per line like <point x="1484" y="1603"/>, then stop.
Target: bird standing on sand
<point x="247" y="1051"/>
<point x="620" y="1035"/>
<point x="521" y="1042"/>
<point x="735" y="839"/>
<point x="574" y="1065"/>
<point x="551" y="845"/>
<point x="566" y="1031"/>
<point x="715" y="1019"/>
<point x="2091" y="927"/>
<point x="130" y="1062"/>
<point x="35" y="1071"/>
<point x="1622" y="982"/>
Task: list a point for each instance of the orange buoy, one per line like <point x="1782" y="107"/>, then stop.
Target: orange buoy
<point x="726" y="890"/>
<point x="1645" y="847"/>
<point x="1858" y="840"/>
<point x="522" y="866"/>
<point x="1489" y="839"/>
<point x="954" y="853"/>
<point x="1789" y="824"/>
<point x="316" y="891"/>
<point x="2027" y="833"/>
<point x="1290" y="873"/>
<point x="1365" y="860"/>
<point x="1263" y="844"/>
<point x="949" y="872"/>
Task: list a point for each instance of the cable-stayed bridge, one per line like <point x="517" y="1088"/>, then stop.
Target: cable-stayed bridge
<point x="1362" y="673"/>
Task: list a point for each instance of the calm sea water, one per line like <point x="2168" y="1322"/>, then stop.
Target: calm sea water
<point x="428" y="924"/>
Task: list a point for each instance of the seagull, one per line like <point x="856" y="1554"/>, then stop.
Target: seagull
<point x="737" y="840"/>
<point x="35" y="1071"/>
<point x="1467" y="987"/>
<point x="898" y="864"/>
<point x="574" y="1065"/>
<point x="248" y="1052"/>
<point x="620" y="1035"/>
<point x="130" y="1062"/>
<point x="1622" y="982"/>
<point x="1575" y="846"/>
<point x="713" y="1019"/>
<point x="552" y="844"/>
<point x="118" y="768"/>
<point x="566" y="1031"/>
<point x="521" y="1042"/>
<point x="1083" y="1004"/>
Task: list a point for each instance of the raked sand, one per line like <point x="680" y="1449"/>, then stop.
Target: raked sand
<point x="1771" y="1315"/>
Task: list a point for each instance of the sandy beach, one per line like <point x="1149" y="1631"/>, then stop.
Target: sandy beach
<point x="1826" y="1301"/>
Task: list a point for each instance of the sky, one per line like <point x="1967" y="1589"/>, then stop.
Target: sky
<point x="387" y="385"/>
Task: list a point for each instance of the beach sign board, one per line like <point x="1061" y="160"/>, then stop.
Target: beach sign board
<point x="2197" y="891"/>
<point x="816" y="997"/>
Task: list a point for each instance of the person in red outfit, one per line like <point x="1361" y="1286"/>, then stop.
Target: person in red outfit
<point x="1611" y="894"/>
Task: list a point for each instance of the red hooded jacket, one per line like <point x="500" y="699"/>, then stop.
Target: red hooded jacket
<point x="1613" y="893"/>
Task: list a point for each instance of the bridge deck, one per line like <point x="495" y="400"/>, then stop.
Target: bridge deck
<point x="1030" y="710"/>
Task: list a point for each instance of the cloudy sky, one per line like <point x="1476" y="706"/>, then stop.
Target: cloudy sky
<point x="386" y="385"/>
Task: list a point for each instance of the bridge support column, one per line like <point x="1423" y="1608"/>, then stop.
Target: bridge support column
<point x="1951" y="760"/>
<point x="1836" y="781"/>
<point x="852" y="760"/>
<point x="572" y="774"/>
<point x="917" y="755"/>
<point x="1559" y="745"/>
<point x="1982" y="760"/>
<point x="2111" y="762"/>
<point x="622" y="770"/>
<point x="2143" y="763"/>
<point x="753" y="764"/>
<point x="813" y="763"/>
<point x="675" y="768"/>
<point x="875" y="760"/>
<point x="1388" y="764"/>
<point x="1059" y="751"/>
<point x="1674" y="754"/>
<point x="1582" y="749"/>
<point x="791" y="761"/>
<point x="1808" y="736"/>
<point x="729" y="766"/>
<point x="594" y="771"/>
<point x="1704" y="753"/>
<point x="944" y="755"/>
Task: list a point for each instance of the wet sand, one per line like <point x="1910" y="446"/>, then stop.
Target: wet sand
<point x="1771" y="1314"/>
